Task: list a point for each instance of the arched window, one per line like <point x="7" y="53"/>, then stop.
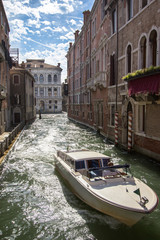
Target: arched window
<point x="55" y="78"/>
<point x="16" y="80"/>
<point x="49" y="78"/>
<point x="129" y="50"/>
<point x="36" y="77"/>
<point x="143" y="52"/>
<point x="153" y="47"/>
<point x="49" y="91"/>
<point x="41" y="78"/>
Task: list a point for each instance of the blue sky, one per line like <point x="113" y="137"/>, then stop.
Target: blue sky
<point x="44" y="28"/>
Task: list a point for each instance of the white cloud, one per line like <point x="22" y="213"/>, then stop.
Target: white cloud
<point x="18" y="30"/>
<point x="64" y="29"/>
<point x="33" y="22"/>
<point x="68" y="36"/>
<point x="73" y="22"/>
<point x="46" y="23"/>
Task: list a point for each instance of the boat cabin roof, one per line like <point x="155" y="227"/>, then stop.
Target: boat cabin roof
<point x="84" y="155"/>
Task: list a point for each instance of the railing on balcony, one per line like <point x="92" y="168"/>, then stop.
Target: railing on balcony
<point x="98" y="80"/>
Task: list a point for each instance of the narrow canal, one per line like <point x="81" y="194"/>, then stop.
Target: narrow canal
<point x="35" y="202"/>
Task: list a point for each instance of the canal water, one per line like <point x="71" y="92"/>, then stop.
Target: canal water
<point x="36" y="204"/>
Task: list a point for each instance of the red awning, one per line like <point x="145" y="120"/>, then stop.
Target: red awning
<point x="147" y="84"/>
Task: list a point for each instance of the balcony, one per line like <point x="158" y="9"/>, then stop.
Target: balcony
<point x="144" y="85"/>
<point x="145" y="81"/>
<point x="97" y="81"/>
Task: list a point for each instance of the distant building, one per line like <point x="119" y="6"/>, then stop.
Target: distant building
<point x="22" y="95"/>
<point x="47" y="85"/>
<point x="64" y="96"/>
<point x="5" y="65"/>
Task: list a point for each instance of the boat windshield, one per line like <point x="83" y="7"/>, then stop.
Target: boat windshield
<point x="94" y="163"/>
<point x="79" y="164"/>
<point x="105" y="161"/>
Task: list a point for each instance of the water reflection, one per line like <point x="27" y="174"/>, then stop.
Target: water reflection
<point x="36" y="204"/>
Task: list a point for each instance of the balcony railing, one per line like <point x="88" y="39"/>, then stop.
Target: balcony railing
<point x="98" y="80"/>
<point x="48" y="97"/>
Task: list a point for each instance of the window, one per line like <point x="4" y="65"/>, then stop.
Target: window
<point x="94" y="28"/>
<point x="143" y="53"/>
<point x="103" y="11"/>
<point x="112" y="70"/>
<point x="144" y="3"/>
<point x="80" y="164"/>
<point x="36" y="77"/>
<point x="6" y="29"/>
<point x="36" y="91"/>
<point x="50" y="101"/>
<point x="49" y="78"/>
<point x="88" y="38"/>
<point x="55" y="101"/>
<point x="41" y="78"/>
<point x="28" y="65"/>
<point x="153" y="47"/>
<point x="41" y="91"/>
<point x="41" y="66"/>
<point x="141" y="118"/>
<point x="55" y="91"/>
<point x="130" y="9"/>
<point x="1" y="18"/>
<point x="50" y="107"/>
<point x="114" y="19"/>
<point x="112" y="118"/>
<point x="129" y="59"/>
<point x="16" y="79"/>
<point x="87" y="71"/>
<point x="55" y="78"/>
<point x="17" y="99"/>
<point x="49" y="91"/>
<point x="101" y="115"/>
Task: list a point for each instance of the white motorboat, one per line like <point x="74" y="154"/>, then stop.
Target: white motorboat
<point x="110" y="189"/>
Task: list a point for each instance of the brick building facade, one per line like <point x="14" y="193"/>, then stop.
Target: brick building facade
<point x="118" y="38"/>
<point x="5" y="65"/>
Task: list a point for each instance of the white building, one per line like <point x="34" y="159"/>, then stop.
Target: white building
<point x="47" y="85"/>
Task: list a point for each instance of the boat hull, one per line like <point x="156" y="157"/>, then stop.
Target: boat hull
<point x="85" y="193"/>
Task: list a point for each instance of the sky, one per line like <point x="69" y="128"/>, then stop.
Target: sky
<point x="43" y="29"/>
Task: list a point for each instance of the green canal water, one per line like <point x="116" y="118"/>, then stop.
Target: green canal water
<point x="35" y="202"/>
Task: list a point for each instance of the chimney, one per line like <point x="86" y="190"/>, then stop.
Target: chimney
<point x="23" y="65"/>
<point x="76" y="34"/>
<point x="70" y="45"/>
<point x="58" y="65"/>
<point x="86" y="15"/>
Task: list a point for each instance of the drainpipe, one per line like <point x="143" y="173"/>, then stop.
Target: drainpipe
<point x="24" y="98"/>
<point x="117" y="60"/>
<point x="116" y="112"/>
<point x="73" y="75"/>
